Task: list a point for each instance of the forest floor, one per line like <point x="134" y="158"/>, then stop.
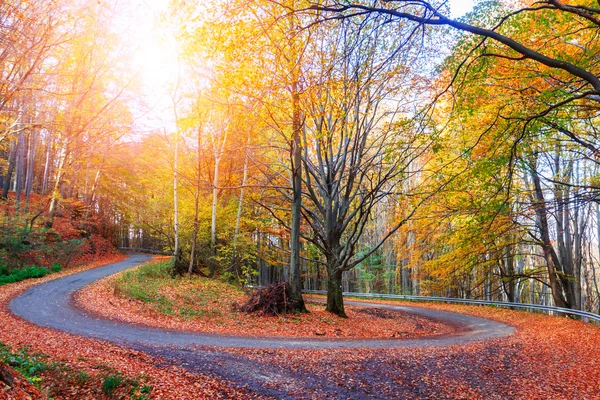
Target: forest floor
<point x="74" y="367"/>
<point x="150" y="296"/>
<point x="547" y="357"/>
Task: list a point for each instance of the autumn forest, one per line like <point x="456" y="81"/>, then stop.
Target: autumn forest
<point x="364" y="147"/>
<point x="255" y="159"/>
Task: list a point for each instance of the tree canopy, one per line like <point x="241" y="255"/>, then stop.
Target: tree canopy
<point x="379" y="146"/>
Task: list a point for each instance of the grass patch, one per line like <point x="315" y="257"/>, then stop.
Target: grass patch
<point x="116" y="383"/>
<point x="180" y="296"/>
<point x="143" y="283"/>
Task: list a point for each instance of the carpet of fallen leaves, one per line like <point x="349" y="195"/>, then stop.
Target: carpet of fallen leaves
<point x="95" y="357"/>
<point x="191" y="310"/>
<point x="547" y="358"/>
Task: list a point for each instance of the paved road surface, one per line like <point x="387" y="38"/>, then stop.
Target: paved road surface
<point x="50" y="304"/>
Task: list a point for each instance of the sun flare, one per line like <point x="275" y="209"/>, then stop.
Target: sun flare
<point x="155" y="62"/>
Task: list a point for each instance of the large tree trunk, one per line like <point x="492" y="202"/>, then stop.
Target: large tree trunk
<point x="335" y="300"/>
<point x="507" y="273"/>
<point x="594" y="275"/>
<point x="512" y="290"/>
<point x="296" y="146"/>
<point x="552" y="260"/>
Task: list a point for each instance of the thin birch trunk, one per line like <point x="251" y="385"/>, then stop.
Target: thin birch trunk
<point x="218" y="149"/>
<point x="47" y="165"/>
<point x="196" y="206"/>
<point x="213" y="226"/>
<point x="30" y="167"/>
<point x="56" y="190"/>
<point x="175" y="200"/>
<point x="92" y="197"/>
<point x="20" y="172"/>
<point x="240" y="206"/>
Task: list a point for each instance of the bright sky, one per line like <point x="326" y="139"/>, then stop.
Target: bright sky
<point x="155" y="61"/>
<point x="458" y="8"/>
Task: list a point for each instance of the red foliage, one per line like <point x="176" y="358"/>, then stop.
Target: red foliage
<point x="73" y="223"/>
<point x="547" y="358"/>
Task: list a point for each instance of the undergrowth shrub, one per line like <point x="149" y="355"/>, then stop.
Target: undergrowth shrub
<point x="28" y="363"/>
<point x="64" y="251"/>
<point x="111" y="383"/>
<point x="18" y="275"/>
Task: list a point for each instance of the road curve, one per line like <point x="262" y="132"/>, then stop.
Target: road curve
<point x="50" y="304"/>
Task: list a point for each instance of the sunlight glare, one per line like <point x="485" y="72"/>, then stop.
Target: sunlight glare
<point x="155" y="60"/>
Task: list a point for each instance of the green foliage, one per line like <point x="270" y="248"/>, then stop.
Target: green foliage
<point x="14" y="232"/>
<point x="59" y="375"/>
<point x="111" y="383"/>
<point x="144" y="391"/>
<point x="55" y="267"/>
<point x="28" y="363"/>
<point x="239" y="261"/>
<point x="82" y="377"/>
<point x="24" y="241"/>
<point x="25" y="273"/>
<point x="64" y="251"/>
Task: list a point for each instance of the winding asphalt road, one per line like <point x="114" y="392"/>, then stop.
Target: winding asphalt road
<point x="50" y="304"/>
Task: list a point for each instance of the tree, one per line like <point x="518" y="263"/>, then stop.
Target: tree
<point x="358" y="144"/>
<point x="90" y="103"/>
<point x="243" y="42"/>
<point x="26" y="42"/>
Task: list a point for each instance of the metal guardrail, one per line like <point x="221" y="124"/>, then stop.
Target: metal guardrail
<point x="150" y="251"/>
<point x="585" y="315"/>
